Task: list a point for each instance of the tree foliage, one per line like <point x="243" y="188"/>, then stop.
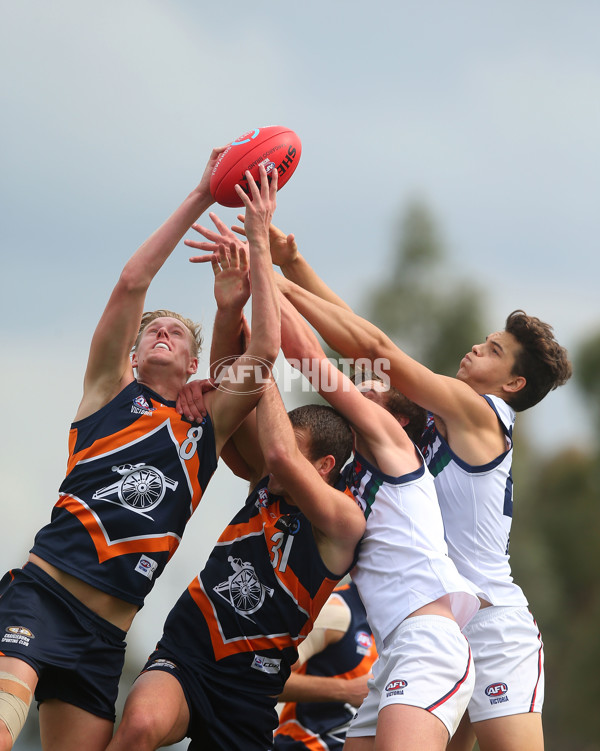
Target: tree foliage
<point x="429" y="310"/>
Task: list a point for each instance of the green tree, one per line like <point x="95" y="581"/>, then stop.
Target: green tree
<point x="432" y="313"/>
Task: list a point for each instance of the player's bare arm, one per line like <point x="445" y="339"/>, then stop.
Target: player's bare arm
<point x="244" y="380"/>
<point x="285" y="254"/>
<point x="379" y="436"/>
<point x="458" y="408"/>
<point x="109" y="367"/>
<point x="338" y="522"/>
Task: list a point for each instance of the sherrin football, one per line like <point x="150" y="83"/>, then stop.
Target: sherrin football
<point x="275" y="146"/>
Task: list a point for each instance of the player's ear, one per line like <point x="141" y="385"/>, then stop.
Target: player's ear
<point x="515" y="384"/>
<point x="325" y="464"/>
<point x="192" y="366"/>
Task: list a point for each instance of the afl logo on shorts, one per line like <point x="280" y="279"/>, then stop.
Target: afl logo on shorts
<point x="396" y="687"/>
<point x="496" y="689"/>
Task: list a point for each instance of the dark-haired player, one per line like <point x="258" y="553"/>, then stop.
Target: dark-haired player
<point x="468" y="447"/>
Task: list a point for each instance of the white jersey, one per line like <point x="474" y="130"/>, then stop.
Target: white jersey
<point x="403" y="562"/>
<point x="477" y="505"/>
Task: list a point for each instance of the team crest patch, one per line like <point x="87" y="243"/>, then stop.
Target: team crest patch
<point x="20" y="635"/>
<point x="141" y="406"/>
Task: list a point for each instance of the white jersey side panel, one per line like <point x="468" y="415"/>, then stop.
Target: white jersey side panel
<point x="403" y="563"/>
<point x="477" y="506"/>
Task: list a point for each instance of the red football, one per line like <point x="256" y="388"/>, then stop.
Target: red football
<point x="275" y="146"/>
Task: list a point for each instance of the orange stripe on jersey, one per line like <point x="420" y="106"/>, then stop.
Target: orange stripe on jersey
<point x="223" y="648"/>
<point x="106" y="550"/>
<point x="293" y="729"/>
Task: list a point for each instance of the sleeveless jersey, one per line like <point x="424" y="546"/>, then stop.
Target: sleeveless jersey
<point x="241" y="620"/>
<point x="323" y="725"/>
<point x="403" y="563"/>
<point x="136" y="473"/>
<point x="477" y="505"/>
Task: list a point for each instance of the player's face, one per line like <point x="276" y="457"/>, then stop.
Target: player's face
<point x="489" y="365"/>
<point x="165" y="342"/>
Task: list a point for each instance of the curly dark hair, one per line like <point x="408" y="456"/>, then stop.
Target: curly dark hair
<point x="329" y="434"/>
<point x="540" y="360"/>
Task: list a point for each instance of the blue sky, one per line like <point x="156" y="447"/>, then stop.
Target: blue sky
<point x="489" y="112"/>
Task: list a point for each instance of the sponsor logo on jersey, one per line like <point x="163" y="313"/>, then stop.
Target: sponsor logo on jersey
<point x="269" y="665"/>
<point x="162" y="664"/>
<point x="146" y="566"/>
<point x="20" y="635"/>
<point x="396" y="687"/>
<point x="363" y="642"/>
<point x="290" y="524"/>
<point x="141" y="406"/>
<point x="497" y="692"/>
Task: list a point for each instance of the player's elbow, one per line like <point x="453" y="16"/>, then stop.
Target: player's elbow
<point x="278" y="460"/>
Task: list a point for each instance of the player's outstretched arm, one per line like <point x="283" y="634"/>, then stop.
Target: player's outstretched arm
<point x="228" y="255"/>
<point x="338" y="522"/>
<point x="356" y="338"/>
<point x="379" y="435"/>
<point x="109" y="368"/>
<point x="242" y="383"/>
<point x="285" y="254"/>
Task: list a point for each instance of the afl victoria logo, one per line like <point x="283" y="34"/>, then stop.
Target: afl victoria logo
<point x="496" y="689"/>
<point x="396" y="685"/>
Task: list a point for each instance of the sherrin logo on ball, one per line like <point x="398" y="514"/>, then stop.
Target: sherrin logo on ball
<point x="275" y="147"/>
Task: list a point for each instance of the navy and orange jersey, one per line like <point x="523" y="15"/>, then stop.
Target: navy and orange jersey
<point x="136" y="472"/>
<point x="322" y="726"/>
<point x="240" y="622"/>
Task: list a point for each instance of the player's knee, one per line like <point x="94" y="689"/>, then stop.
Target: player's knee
<point x="142" y="727"/>
<point x="15" y="700"/>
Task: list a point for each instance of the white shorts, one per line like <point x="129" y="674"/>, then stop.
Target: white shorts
<point x="426" y="662"/>
<point x="509" y="662"/>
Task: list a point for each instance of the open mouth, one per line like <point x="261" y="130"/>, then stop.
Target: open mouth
<point x="161" y="345"/>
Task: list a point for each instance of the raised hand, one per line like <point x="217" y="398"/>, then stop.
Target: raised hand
<point x="260" y="204"/>
<point x="222" y="235"/>
<point x="232" y="279"/>
<point x="284" y="249"/>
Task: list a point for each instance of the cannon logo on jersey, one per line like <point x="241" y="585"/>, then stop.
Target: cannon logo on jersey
<point x="140" y="488"/>
<point x="242" y="590"/>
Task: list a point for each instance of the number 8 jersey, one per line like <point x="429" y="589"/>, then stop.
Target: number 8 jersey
<point x="136" y="472"/>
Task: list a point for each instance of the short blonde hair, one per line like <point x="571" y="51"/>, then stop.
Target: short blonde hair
<point x="195" y="329"/>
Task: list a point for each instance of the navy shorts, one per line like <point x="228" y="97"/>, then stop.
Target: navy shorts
<point x="221" y="716"/>
<point x="77" y="655"/>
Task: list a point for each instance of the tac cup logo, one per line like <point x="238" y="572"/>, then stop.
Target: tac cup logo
<point x="247" y="369"/>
